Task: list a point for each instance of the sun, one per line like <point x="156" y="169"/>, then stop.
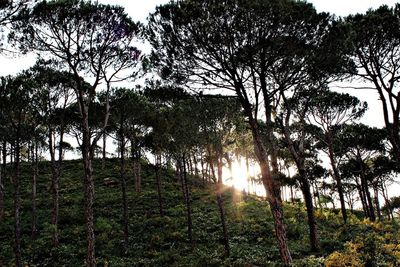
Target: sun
<point x="239" y="175"/>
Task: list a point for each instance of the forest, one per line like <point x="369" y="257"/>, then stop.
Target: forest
<point x="225" y="145"/>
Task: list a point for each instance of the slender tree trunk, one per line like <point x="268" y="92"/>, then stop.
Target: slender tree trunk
<point x="187" y="201"/>
<point x="363" y="200"/>
<point x="299" y="158"/>
<point x="312" y="225"/>
<point x="248" y="175"/>
<point x="12" y="159"/>
<point x="179" y="168"/>
<point x="2" y="174"/>
<point x="387" y="202"/>
<point x="187" y="166"/>
<point x="158" y="180"/>
<point x="135" y="154"/>
<point x="316" y="195"/>
<point x="4" y="159"/>
<point x="34" y="159"/>
<point x="137" y="175"/>
<point x="196" y="170"/>
<point x="392" y="127"/>
<point x="337" y="177"/>
<point x="365" y="188"/>
<point x="55" y="188"/>
<point x="190" y="164"/>
<point x="291" y="193"/>
<point x="272" y="188"/>
<point x="221" y="208"/>
<point x="87" y="156"/>
<point x="377" y="204"/>
<point x="125" y="215"/>
<point x="17" y="199"/>
<point x="104" y="150"/>
<point x="229" y="161"/>
<point x="350" y="201"/>
<point x="203" y="170"/>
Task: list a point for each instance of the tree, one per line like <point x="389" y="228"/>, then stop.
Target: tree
<point x="16" y="94"/>
<point x="253" y="48"/>
<point x="89" y="40"/>
<point x="361" y="143"/>
<point x="127" y="106"/>
<point x="53" y="96"/>
<point x="218" y="119"/>
<point x="174" y="132"/>
<point x="299" y="140"/>
<point x="375" y="41"/>
<point x="8" y="12"/>
<point x="330" y="110"/>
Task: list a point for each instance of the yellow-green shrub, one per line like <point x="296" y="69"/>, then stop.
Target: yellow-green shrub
<point x="338" y="259"/>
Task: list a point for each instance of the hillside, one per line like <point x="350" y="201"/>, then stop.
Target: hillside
<point x="162" y="241"/>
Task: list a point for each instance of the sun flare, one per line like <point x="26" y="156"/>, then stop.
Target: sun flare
<point x="239" y="176"/>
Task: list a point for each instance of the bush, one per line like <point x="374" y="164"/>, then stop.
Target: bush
<point x="367" y="250"/>
<point x="338" y="259"/>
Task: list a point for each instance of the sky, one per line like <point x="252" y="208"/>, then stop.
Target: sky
<point x="139" y="9"/>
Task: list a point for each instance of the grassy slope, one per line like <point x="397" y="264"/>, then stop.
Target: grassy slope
<point x="161" y="241"/>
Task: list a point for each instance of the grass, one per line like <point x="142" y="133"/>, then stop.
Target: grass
<point x="162" y="241"/>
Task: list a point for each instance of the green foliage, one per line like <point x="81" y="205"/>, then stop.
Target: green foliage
<point x="162" y="241"/>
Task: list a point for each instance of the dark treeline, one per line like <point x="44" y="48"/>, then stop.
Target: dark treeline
<point x="226" y="81"/>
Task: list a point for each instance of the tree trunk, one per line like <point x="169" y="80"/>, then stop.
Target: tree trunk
<point x="229" y="161"/>
<point x="125" y="215"/>
<point x="179" y="172"/>
<point x="55" y="189"/>
<point x="34" y="159"/>
<point x="136" y="155"/>
<point x="2" y="174"/>
<point x="312" y="225"/>
<point x="363" y="200"/>
<point x="203" y="170"/>
<point x="364" y="186"/>
<point x="387" y="201"/>
<point x="137" y="175"/>
<point x="87" y="156"/>
<point x="190" y="164"/>
<point x="299" y="158"/>
<point x="272" y="188"/>
<point x="336" y="176"/>
<point x="4" y="159"/>
<point x="221" y="208"/>
<point x="104" y="157"/>
<point x="17" y="198"/>
<point x="377" y="204"/>
<point x="248" y="175"/>
<point x="187" y="201"/>
<point x="196" y="170"/>
<point x="158" y="180"/>
<point x="317" y="195"/>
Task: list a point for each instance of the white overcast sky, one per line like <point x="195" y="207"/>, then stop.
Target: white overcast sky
<point x="139" y="9"/>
